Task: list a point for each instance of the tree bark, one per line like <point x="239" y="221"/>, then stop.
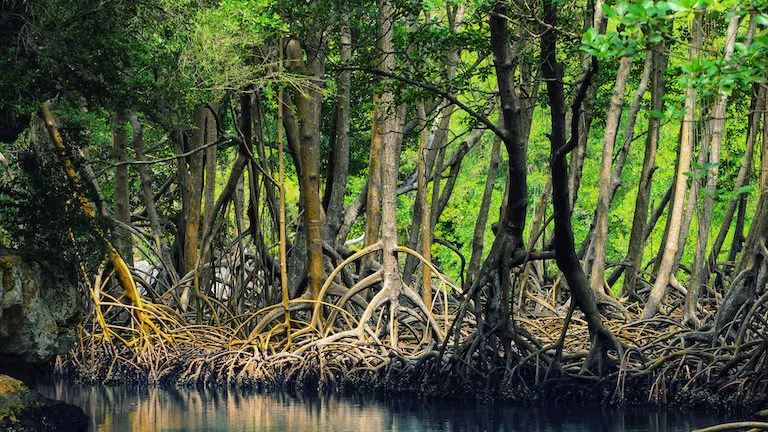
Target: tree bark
<point x="373" y="198"/>
<point x="147" y="192"/>
<point x="388" y="124"/>
<point x="478" y="237"/>
<point x="701" y="267"/>
<point x="423" y="207"/>
<point x="209" y="191"/>
<point x="640" y="218"/>
<point x="604" y="195"/>
<point x="747" y="259"/>
<point x="336" y="183"/>
<point x="565" y="252"/>
<point x="122" y="241"/>
<point x="757" y="106"/>
<point x="193" y="205"/>
<point x="308" y="105"/>
<point x="676" y="212"/>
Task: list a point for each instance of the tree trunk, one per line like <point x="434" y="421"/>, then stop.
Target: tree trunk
<point x="701" y="268"/>
<point x="123" y="242"/>
<point x="565" y="252"/>
<point x="373" y="199"/>
<point x="193" y="206"/>
<point x="388" y="125"/>
<point x="478" y="237"/>
<point x="209" y="192"/>
<point x="121" y="269"/>
<point x="147" y="193"/>
<point x="336" y="185"/>
<point x="209" y="195"/>
<point x="423" y="206"/>
<point x="640" y="218"/>
<point x="308" y="105"/>
<point x="490" y="290"/>
<point x="746" y="260"/>
<point x="604" y="196"/>
<point x="676" y="212"/>
<point x="655" y="216"/>
<point x="742" y="179"/>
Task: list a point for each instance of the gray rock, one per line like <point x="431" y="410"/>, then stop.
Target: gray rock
<point x="39" y="310"/>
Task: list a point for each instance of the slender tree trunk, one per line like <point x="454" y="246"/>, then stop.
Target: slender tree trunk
<point x="676" y="212"/>
<point x="121" y="269"/>
<point x="336" y="186"/>
<point x="747" y="259"/>
<point x="639" y="221"/>
<point x="423" y="206"/>
<point x="478" y="237"/>
<point x="691" y="205"/>
<point x="701" y="268"/>
<point x="147" y="193"/>
<point x="621" y="157"/>
<point x="209" y="198"/>
<point x="604" y="195"/>
<point x="209" y="192"/>
<point x="655" y="216"/>
<point x="270" y="195"/>
<point x="742" y="179"/>
<point x="123" y="242"/>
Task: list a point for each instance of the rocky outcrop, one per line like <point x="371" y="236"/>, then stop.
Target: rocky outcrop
<point x="22" y="409"/>
<point x="39" y="310"/>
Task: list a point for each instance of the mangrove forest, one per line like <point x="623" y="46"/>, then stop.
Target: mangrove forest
<point x="512" y="201"/>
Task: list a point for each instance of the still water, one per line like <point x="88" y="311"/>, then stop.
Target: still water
<point x="125" y="408"/>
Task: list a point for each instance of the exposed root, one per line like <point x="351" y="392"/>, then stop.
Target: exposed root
<point x="358" y="337"/>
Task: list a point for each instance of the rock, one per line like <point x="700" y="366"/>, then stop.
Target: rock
<point x="22" y="409"/>
<point x="39" y="310"/>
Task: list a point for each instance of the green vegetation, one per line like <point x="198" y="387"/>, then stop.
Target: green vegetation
<point x="435" y="192"/>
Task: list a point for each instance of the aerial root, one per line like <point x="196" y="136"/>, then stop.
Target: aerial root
<point x="345" y="338"/>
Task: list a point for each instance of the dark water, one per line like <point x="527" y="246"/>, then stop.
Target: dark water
<point x="124" y="408"/>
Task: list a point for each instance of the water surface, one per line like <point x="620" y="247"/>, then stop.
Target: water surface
<point x="127" y="408"/>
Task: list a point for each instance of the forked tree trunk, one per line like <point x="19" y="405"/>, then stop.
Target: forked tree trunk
<point x="676" y="212"/>
<point x="565" y="252"/>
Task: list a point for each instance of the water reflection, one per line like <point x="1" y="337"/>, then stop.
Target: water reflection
<point x="124" y="408"/>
